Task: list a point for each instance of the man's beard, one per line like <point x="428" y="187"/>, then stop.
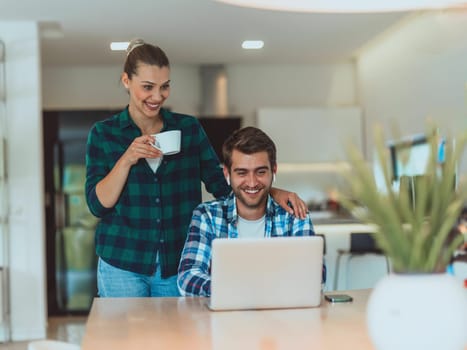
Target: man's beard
<point x="249" y="202"/>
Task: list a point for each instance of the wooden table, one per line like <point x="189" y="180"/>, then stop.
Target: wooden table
<point x="187" y="323"/>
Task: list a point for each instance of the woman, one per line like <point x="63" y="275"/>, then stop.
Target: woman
<point x="144" y="199"/>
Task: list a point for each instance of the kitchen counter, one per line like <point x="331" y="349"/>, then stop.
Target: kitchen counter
<point x="335" y="221"/>
<point x="359" y="272"/>
<point x="324" y="217"/>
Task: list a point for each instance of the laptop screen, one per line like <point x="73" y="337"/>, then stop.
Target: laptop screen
<point x="263" y="273"/>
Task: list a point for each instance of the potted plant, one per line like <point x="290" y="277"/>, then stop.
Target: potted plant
<point x="418" y="306"/>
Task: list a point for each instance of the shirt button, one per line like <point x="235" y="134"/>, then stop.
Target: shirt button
<point x="156" y="179"/>
<point x="157" y="200"/>
<point x="158" y="221"/>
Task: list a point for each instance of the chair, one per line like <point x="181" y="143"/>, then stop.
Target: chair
<point x="52" y="345"/>
<point x="361" y="243"/>
<point x="324" y="255"/>
<point x="458" y="267"/>
<point x="324" y="242"/>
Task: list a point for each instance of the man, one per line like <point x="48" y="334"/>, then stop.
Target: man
<point x="249" y="211"/>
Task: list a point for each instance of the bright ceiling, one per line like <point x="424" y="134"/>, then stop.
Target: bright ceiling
<point x="194" y="31"/>
<point x="336" y="6"/>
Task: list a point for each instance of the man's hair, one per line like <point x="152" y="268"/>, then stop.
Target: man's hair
<point x="248" y="140"/>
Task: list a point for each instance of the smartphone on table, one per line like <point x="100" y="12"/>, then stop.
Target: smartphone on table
<point x="338" y="298"/>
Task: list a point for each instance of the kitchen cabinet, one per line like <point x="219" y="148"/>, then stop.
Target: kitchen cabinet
<point x="311" y="134"/>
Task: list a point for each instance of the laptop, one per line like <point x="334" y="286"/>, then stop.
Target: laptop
<point x="266" y="273"/>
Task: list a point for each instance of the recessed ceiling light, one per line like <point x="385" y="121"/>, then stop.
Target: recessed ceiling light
<point x="253" y="44"/>
<point x="119" y="45"/>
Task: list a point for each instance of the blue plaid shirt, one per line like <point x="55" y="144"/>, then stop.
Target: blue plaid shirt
<point x="218" y="219"/>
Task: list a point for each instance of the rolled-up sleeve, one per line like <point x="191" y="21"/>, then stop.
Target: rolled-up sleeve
<point x="96" y="170"/>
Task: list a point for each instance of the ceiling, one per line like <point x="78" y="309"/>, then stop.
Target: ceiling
<point x="193" y="31"/>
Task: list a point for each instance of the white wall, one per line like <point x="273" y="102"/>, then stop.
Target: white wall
<point x="82" y="87"/>
<point x="415" y="73"/>
<point x="249" y="87"/>
<point x="25" y="180"/>
<point x="99" y="87"/>
<point x="267" y="85"/>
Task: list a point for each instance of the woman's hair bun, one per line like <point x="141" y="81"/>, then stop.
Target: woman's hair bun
<point x="134" y="43"/>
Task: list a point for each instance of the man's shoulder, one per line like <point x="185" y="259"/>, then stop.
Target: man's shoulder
<point x="275" y="209"/>
<point x="216" y="207"/>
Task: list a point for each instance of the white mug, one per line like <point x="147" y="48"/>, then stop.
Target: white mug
<point x="168" y="142"/>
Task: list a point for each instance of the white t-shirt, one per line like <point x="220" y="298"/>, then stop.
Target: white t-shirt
<point x="251" y="228"/>
<point x="154" y="163"/>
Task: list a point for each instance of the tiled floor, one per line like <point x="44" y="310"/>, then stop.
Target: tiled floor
<point x="69" y="329"/>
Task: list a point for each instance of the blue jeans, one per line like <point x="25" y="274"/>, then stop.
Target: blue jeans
<point x="114" y="282"/>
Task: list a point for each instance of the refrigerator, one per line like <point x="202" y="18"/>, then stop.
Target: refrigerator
<point x="70" y="227"/>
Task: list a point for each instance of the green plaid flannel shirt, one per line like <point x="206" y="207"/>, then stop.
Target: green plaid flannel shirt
<point x="154" y="209"/>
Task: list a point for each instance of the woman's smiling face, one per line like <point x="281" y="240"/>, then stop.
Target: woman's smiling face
<point x="148" y="89"/>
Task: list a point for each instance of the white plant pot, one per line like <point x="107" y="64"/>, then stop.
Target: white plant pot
<point x="418" y="311"/>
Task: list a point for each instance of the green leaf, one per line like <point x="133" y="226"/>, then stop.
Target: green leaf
<point x="412" y="227"/>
